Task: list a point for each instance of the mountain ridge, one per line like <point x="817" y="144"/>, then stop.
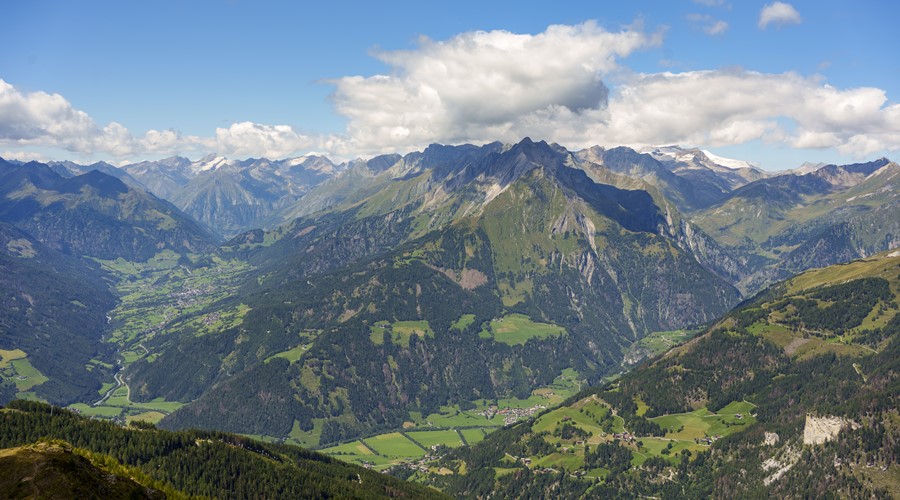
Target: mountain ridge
<point x="94" y="214"/>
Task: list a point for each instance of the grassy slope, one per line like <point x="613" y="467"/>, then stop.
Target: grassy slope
<point x="685" y="433"/>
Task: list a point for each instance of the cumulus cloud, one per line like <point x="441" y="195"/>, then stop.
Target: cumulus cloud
<point x="254" y="139"/>
<point x="42" y="118"/>
<point x="45" y="120"/>
<point x="49" y="120"/>
<point x="709" y="24"/>
<point x="25" y="156"/>
<point x="480" y="87"/>
<point x="486" y="86"/>
<point x="778" y="13"/>
<point x="479" y="82"/>
<point x="731" y="107"/>
<point x="716" y="28"/>
<point x="713" y="108"/>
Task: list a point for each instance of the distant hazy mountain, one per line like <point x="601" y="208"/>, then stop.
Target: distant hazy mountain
<point x="162" y="177"/>
<point x="688" y="177"/>
<point x="72" y="169"/>
<point x="356" y="178"/>
<point x="793" y="222"/>
<point x="232" y="196"/>
<point x="704" y="167"/>
<point x="94" y="214"/>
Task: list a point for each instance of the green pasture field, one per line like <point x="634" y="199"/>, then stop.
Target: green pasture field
<point x="394" y="445"/>
<point x="516" y="329"/>
<point x="432" y="438"/>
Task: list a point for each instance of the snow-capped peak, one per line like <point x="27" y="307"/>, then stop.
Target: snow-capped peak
<point x="671" y="153"/>
<point x="728" y="162"/>
<point x="293" y="162"/>
<point x="312" y="162"/>
<point x="209" y="162"/>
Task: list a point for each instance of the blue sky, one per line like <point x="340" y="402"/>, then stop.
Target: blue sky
<point x="775" y="83"/>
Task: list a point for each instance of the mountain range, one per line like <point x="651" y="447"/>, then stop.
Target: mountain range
<point x="94" y="214"/>
<point x="456" y="242"/>
<point x="230" y="196"/>
<point x="406" y="293"/>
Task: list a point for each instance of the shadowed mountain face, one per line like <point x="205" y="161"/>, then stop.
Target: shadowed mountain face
<point x="94" y="214"/>
<point x="52" y="316"/>
<point x="72" y="169"/>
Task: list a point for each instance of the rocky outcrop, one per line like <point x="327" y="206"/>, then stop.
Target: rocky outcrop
<point x="818" y="430"/>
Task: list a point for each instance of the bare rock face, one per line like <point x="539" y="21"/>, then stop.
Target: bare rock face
<point x="818" y="430"/>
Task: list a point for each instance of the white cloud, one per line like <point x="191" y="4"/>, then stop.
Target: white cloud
<point x="25" y="156"/>
<point x="779" y="13"/>
<point x="486" y="86"/>
<point x="716" y="28"/>
<point x="709" y="24"/>
<point x="463" y="90"/>
<point x="42" y="118"/>
<point x="253" y="139"/>
<point x="719" y="108"/>
<point x="39" y="119"/>
<point x="50" y="121"/>
<point x="478" y="83"/>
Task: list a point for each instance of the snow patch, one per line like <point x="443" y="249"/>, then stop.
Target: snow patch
<point x="211" y="162"/>
<point x="293" y="162"/>
<point x="728" y="162"/>
<point x="686" y="157"/>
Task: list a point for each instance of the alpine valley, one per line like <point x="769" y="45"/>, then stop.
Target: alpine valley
<point x="497" y="320"/>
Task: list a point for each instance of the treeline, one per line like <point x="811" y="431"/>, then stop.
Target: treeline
<point x="850" y="304"/>
<point x="721" y="368"/>
<point x="627" y="409"/>
<point x="209" y="464"/>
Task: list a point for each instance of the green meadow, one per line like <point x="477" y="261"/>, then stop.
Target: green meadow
<point x="516" y="329"/>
